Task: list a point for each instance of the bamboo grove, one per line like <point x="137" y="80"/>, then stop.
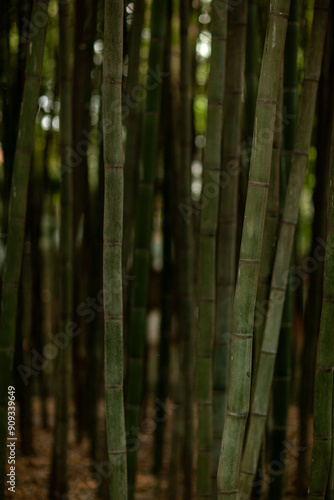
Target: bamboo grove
<point x="167" y="249"/>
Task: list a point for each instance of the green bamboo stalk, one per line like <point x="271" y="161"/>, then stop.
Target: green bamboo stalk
<point x="282" y="377"/>
<point x="167" y="297"/>
<point x="207" y="253"/>
<point x="112" y="246"/>
<point x="16" y="223"/>
<point x="228" y="218"/>
<point x="85" y="26"/>
<point x="143" y="225"/>
<point x="264" y="375"/>
<point x="59" y="474"/>
<point x="185" y="250"/>
<point x="250" y="253"/>
<point x="323" y="385"/>
<point x="252" y="65"/>
<point x="132" y="129"/>
<point x="312" y="314"/>
<point x="270" y="232"/>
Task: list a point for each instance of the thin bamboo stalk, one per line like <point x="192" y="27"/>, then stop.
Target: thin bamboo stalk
<point x="207" y="253"/>
<point x="16" y="223"/>
<point x="112" y="246"/>
<point x="282" y="377"/>
<point x="265" y="372"/>
<point x="323" y="385"/>
<point x="59" y="473"/>
<point x="228" y="218"/>
<point x="252" y="65"/>
<point x="185" y="250"/>
<point x="312" y="313"/>
<point x="132" y="129"/>
<point x="270" y="232"/>
<point x="250" y="253"/>
<point x="143" y="228"/>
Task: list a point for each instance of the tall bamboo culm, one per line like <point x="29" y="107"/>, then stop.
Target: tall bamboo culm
<point x="112" y="246"/>
<point x="323" y="386"/>
<point x="59" y="474"/>
<point x="185" y="252"/>
<point x="228" y="217"/>
<point x="143" y="230"/>
<point x="207" y="252"/>
<point x="132" y="129"/>
<point x="250" y="253"/>
<point x="282" y="377"/>
<point x="17" y="218"/>
<point x="265" y="372"/>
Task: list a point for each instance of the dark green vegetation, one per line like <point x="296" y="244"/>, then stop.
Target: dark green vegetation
<point x="166" y="252"/>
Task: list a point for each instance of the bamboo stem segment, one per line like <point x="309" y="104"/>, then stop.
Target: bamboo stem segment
<point x="207" y="253"/>
<point x="17" y="218"/>
<point x="250" y="253"/>
<point x="265" y="372"/>
<point x="112" y="246"/>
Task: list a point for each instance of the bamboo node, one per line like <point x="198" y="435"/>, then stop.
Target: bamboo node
<point x="289" y="222"/>
<point x="322" y="438"/>
<point x="242" y="335"/>
<point x="113" y="165"/>
<point x="113" y="386"/>
<point x="277" y="13"/>
<point x="116" y="452"/>
<point x="260" y="184"/>
<point x="237" y="415"/>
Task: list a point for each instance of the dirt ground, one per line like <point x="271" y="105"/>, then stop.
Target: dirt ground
<point x="32" y="473"/>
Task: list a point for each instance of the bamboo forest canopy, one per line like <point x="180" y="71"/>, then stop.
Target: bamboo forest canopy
<point x="166" y="249"/>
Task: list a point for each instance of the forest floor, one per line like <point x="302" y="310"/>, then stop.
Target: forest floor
<point x="32" y="472"/>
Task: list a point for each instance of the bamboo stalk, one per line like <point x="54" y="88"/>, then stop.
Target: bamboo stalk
<point x="264" y="375"/>
<point x="270" y="232"/>
<point x="59" y="473"/>
<point x="132" y="129"/>
<point x="252" y="65"/>
<point x="207" y="253"/>
<point x="282" y="377"/>
<point x="323" y="385"/>
<point x="112" y="246"/>
<point x="185" y="251"/>
<point x="143" y="227"/>
<point x="228" y="218"/>
<point x="16" y="224"/>
<point x="250" y="253"/>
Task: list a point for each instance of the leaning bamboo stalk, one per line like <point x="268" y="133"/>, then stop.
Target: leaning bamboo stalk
<point x="207" y="253"/>
<point x="250" y="253"/>
<point x="265" y="372"/>
<point x="143" y="229"/>
<point x="228" y="217"/>
<point x="59" y="474"/>
<point x="323" y="385"/>
<point x="112" y="246"/>
<point x="270" y="233"/>
<point x="252" y="65"/>
<point x="282" y="378"/>
<point x="17" y="217"/>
